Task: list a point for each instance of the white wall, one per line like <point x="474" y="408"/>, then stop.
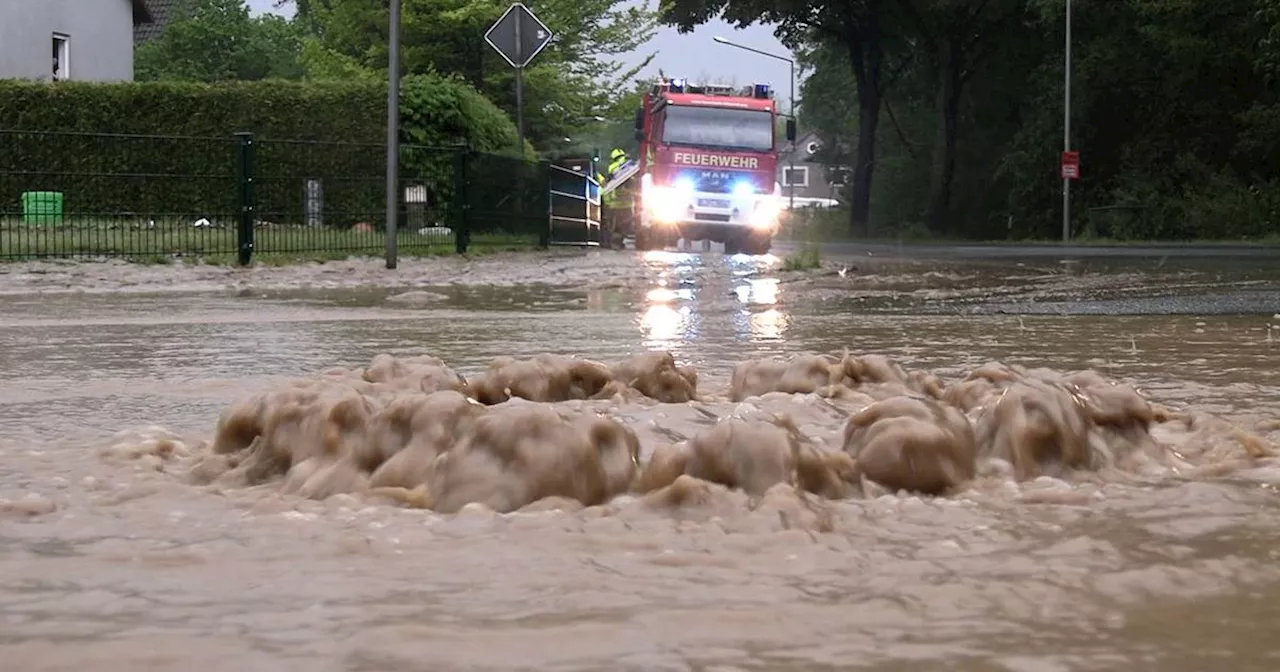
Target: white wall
<point x="101" y="44"/>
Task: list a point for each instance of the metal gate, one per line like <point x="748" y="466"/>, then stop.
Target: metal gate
<point x="575" y="208"/>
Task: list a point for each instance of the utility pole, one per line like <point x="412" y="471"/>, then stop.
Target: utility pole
<point x="1066" y="135"/>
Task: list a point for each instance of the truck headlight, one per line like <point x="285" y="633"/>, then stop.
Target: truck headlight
<point x="765" y="214"/>
<point x="664" y="203"/>
<point x="668" y="211"/>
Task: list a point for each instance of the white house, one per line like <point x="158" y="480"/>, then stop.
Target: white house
<point x="810" y="182"/>
<point x="83" y="40"/>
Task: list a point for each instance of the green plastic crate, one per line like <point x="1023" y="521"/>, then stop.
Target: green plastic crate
<point x="42" y="207"/>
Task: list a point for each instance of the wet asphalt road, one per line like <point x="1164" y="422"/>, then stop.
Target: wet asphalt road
<point x="1013" y="251"/>
<point x="1251" y="302"/>
<point x="1225" y="279"/>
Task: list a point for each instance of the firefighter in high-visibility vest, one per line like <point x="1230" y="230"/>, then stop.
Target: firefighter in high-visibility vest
<point x="617" y="159"/>
<point x="610" y="202"/>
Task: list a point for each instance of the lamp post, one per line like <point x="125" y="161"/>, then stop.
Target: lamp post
<point x="791" y="166"/>
<point x="1066" y="134"/>
<point x="393" y="130"/>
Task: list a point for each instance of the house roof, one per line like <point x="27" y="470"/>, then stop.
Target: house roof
<point x="806" y="138"/>
<point x="801" y="152"/>
<point x="159" y="13"/>
<point x="141" y="13"/>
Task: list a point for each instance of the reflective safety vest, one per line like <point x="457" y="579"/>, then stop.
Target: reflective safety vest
<point x="604" y="198"/>
<point x="617" y="158"/>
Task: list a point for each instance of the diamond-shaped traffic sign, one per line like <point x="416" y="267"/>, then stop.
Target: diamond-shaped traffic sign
<point x="518" y="35"/>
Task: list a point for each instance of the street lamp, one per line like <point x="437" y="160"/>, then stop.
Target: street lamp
<point x="791" y="190"/>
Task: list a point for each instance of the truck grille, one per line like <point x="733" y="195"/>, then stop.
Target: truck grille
<point x="710" y="217"/>
<point x="713" y="186"/>
<point x="716" y="181"/>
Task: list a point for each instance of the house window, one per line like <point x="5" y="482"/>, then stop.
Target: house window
<point x="795" y="177"/>
<point x="61" y="56"/>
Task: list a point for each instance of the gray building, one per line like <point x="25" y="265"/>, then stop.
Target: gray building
<point x="80" y="40"/>
<point x="810" y="179"/>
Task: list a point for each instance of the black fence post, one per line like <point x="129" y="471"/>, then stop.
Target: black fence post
<point x="244" y="182"/>
<point x="462" y="234"/>
<point x="593" y="213"/>
<point x="551" y="180"/>
<point x="544" y="238"/>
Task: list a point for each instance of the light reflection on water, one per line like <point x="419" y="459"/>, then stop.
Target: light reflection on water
<point x="771" y="324"/>
<point x="672" y="314"/>
<point x="666" y="327"/>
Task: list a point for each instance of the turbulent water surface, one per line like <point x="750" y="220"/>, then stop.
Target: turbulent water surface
<point x="113" y="556"/>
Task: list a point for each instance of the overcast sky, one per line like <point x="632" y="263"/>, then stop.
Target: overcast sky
<point x="697" y="56"/>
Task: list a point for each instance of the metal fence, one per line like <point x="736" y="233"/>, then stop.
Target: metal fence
<point x="575" y="208"/>
<point x="91" y="195"/>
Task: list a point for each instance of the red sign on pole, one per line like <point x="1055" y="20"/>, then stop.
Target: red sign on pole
<point x="1070" y="167"/>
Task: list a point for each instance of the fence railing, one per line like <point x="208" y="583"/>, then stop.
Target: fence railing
<point x="75" y="195"/>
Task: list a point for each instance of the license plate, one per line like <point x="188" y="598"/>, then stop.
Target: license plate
<point x="713" y="203"/>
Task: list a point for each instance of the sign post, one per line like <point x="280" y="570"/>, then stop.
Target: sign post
<point x="518" y="36"/>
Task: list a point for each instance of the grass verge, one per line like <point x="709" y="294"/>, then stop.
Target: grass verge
<point x="218" y="246"/>
<point x="808" y="258"/>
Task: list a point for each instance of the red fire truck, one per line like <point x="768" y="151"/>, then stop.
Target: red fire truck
<point x="707" y="166"/>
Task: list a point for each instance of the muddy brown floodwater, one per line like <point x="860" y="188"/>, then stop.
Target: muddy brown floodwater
<point x="215" y="469"/>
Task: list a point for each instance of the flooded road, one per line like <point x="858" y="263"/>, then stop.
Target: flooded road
<point x="114" y="560"/>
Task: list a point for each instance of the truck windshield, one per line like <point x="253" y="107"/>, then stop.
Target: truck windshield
<point x="718" y="128"/>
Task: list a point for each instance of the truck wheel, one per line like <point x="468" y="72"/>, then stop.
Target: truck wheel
<point x="733" y="243"/>
<point x="759" y="244"/>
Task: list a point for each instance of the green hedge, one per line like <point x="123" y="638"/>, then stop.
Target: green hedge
<point x="151" y="150"/>
<point x="434" y="110"/>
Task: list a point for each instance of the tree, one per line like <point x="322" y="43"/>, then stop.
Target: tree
<point x="573" y="79"/>
<point x="956" y="37"/>
<point x="1260" y="137"/>
<point x="217" y="40"/>
<point x="1161" y="92"/>
<point x="1175" y="109"/>
<point x="901" y="175"/>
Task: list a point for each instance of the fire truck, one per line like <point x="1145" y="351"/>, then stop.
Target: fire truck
<point x="706" y="167"/>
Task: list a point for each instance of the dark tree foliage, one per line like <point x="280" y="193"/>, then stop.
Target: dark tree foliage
<point x="1175" y="112"/>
